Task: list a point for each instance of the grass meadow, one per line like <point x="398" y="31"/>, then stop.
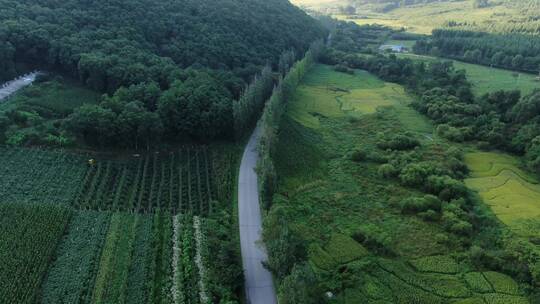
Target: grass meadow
<point x="512" y="193"/>
<point x="425" y="17"/>
<point x="486" y="79"/>
<point x="59" y="96"/>
<point x="335" y="203"/>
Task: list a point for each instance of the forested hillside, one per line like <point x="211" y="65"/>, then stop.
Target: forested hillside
<point x="86" y="38"/>
<point x="171" y="69"/>
<point x="511" y="51"/>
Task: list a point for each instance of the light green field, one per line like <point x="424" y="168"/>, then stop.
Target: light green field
<point x="326" y="93"/>
<point x="422" y="19"/>
<point x="486" y="79"/>
<point x="512" y="194"/>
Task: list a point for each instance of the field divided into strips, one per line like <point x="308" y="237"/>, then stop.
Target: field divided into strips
<point x="181" y="182"/>
<point x="486" y="79"/>
<point x="512" y="194"/>
<point x="101" y="231"/>
<point x="190" y="261"/>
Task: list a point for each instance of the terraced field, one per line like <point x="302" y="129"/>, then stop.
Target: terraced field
<point x="512" y="194"/>
<point x="326" y="93"/>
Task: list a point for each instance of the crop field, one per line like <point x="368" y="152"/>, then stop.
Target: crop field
<point x="181" y="182"/>
<point x="486" y="79"/>
<point x="512" y="194"/>
<point x="335" y="204"/>
<point x="116" y="229"/>
<point x="29" y="234"/>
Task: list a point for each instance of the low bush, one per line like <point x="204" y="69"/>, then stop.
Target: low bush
<point x="359" y="156"/>
<point x="398" y="142"/>
<point x="387" y="171"/>
<point x="421" y="204"/>
<point x="343" y="69"/>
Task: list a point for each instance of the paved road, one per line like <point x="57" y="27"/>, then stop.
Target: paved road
<point x="16" y="84"/>
<point x="259" y="284"/>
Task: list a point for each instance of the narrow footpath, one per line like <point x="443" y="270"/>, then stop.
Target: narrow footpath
<point x="14" y="85"/>
<point x="259" y="284"/>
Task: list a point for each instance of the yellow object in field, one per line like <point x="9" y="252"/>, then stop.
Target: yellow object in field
<point x="92" y="162"/>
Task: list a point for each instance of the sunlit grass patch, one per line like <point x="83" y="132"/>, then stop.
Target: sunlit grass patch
<point x="326" y="93"/>
<point x="512" y="193"/>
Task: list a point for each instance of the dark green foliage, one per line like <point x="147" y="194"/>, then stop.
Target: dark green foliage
<point x="137" y="289"/>
<point x="359" y="156"/>
<point x="272" y="116"/>
<point x="197" y="108"/>
<point x="29" y="234"/>
<point x="343" y="69"/>
<point x="225" y="274"/>
<point x="398" y="142"/>
<point x="40" y="176"/>
<point x="285" y="246"/>
<point x="421" y="204"/>
<point x="164" y="84"/>
<point x="71" y="275"/>
<point x="247" y="109"/>
<point x="109" y="45"/>
<point x="511" y="51"/>
<point x="374" y="239"/>
<point x="533" y="155"/>
<point x="300" y="287"/>
<point x="387" y="171"/>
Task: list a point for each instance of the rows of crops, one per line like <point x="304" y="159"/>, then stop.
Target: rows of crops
<point x="126" y="258"/>
<point x="181" y="182"/>
<point x="125" y="229"/>
<point x="39" y="176"/>
<point x="29" y="234"/>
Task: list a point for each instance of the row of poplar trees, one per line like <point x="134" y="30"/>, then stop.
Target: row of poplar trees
<point x="271" y="118"/>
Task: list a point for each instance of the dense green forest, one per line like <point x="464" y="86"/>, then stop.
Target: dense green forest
<point x="171" y="69"/>
<point x="510" y="51"/>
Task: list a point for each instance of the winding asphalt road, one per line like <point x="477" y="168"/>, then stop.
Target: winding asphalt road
<point x="17" y="84"/>
<point x="259" y="284"/>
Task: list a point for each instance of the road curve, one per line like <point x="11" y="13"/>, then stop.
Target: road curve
<point x="259" y="284"/>
<point x="16" y="84"/>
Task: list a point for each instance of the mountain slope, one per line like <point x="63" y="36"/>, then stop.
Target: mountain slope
<point x="228" y="34"/>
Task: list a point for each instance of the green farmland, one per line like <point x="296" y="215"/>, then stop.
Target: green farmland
<point x="118" y="220"/>
<point x="338" y="196"/>
<point x="512" y="194"/>
<point x="486" y="80"/>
